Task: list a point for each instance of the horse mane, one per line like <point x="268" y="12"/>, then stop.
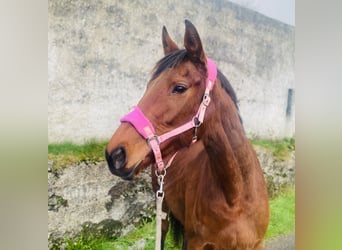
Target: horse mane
<point x="179" y="56"/>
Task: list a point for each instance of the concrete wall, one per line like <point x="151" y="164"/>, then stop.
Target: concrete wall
<point x="101" y="54"/>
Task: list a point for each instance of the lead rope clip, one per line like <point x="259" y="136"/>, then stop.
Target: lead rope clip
<point x="160" y="215"/>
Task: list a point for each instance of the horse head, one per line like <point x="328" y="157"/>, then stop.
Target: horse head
<point x="172" y="98"/>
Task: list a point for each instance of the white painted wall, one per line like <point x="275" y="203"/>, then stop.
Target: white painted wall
<point x="101" y="55"/>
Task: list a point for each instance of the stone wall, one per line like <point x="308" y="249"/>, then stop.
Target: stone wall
<point x="101" y="53"/>
<point x="87" y="197"/>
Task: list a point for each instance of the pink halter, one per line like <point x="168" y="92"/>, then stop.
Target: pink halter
<point x="145" y="128"/>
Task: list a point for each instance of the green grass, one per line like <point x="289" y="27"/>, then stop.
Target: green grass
<point x="84" y="243"/>
<point x="282" y="214"/>
<point x="280" y="148"/>
<point x="146" y="233"/>
<point x="67" y="153"/>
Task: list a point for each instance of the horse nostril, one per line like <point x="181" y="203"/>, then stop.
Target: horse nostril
<point x="117" y="159"/>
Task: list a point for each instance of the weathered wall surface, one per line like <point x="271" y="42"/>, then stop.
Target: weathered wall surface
<point x="101" y="54"/>
<point x="87" y="197"/>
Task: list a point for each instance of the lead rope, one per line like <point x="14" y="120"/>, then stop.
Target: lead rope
<point x="160" y="215"/>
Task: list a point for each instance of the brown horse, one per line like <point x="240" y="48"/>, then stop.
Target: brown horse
<point x="215" y="192"/>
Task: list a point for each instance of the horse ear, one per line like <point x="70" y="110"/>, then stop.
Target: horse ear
<point x="193" y="44"/>
<point x="168" y="45"/>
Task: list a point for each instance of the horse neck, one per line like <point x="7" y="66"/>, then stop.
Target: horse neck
<point x="223" y="134"/>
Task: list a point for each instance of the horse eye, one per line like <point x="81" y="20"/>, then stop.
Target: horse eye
<point x="179" y="89"/>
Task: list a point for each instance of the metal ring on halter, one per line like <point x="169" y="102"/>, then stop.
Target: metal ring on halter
<point x="154" y="137"/>
<point x="163" y="173"/>
<point x="196" y="121"/>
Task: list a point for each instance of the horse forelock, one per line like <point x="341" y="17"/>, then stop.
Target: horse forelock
<point x="169" y="61"/>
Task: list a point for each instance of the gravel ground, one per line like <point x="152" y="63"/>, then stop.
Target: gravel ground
<point x="286" y="242"/>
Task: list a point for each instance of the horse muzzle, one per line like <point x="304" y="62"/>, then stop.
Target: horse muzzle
<point x="116" y="160"/>
<point x="117" y="163"/>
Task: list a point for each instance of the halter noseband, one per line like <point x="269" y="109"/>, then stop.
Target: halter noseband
<point x="145" y="128"/>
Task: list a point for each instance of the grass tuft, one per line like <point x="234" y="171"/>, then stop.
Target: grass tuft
<point x="282" y="214"/>
<point x="281" y="148"/>
<point x="67" y="153"/>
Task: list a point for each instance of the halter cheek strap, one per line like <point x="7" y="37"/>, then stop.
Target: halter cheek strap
<point x="145" y="128"/>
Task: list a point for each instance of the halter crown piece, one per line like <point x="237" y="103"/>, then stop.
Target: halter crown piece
<point x="145" y="128"/>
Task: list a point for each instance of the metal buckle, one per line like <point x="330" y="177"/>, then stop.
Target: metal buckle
<point x="196" y="121"/>
<point x="161" y="174"/>
<point x="154" y="137"/>
<point x="206" y="100"/>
